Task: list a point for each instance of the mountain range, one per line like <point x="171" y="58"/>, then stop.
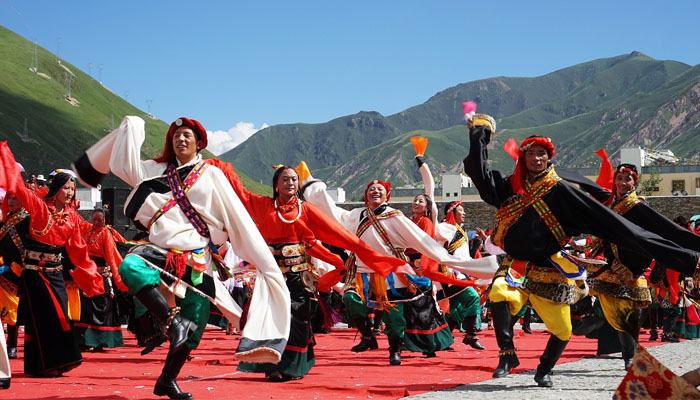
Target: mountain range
<point x="622" y="101"/>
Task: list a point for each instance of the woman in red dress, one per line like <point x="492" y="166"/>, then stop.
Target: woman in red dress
<point x="50" y="347"/>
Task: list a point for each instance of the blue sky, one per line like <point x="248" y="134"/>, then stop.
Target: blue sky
<point x="237" y="66"/>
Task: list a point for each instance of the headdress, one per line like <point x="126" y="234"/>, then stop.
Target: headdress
<point x="168" y="151"/>
<point x="631" y="168"/>
<point x="387" y="186"/>
<point x="449" y="212"/>
<point x="517" y="180"/>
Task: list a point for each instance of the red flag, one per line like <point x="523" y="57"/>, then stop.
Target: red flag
<point x="605" y="175"/>
<point x="511" y="148"/>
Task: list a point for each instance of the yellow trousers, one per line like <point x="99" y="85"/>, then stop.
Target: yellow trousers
<point x="556" y="316"/>
<point x="615" y="309"/>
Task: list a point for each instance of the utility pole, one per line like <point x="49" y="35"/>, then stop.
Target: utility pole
<point x="99" y="67"/>
<point x="149" y="101"/>
<point x="90" y="69"/>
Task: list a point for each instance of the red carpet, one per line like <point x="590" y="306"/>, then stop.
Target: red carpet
<point x="123" y="374"/>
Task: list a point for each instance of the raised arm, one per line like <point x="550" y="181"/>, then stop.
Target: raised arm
<point x="118" y="152"/>
<point x="493" y="187"/>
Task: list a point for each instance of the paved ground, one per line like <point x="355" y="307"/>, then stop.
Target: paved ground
<point x="591" y="378"/>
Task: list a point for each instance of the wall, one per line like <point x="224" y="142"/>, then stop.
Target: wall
<point x="480" y="214"/>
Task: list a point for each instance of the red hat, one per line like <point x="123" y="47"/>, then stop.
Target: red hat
<point x="387" y="186"/>
<point x="631" y="168"/>
<point x="168" y="152"/>
<point x="449" y="212"/>
<point x="518" y="178"/>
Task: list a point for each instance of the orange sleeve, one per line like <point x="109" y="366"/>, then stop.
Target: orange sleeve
<point x="85" y="273"/>
<point x="112" y="256"/>
<point x="255" y="204"/>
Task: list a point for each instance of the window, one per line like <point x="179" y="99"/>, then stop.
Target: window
<point x="456" y="195"/>
<point x="678" y="185"/>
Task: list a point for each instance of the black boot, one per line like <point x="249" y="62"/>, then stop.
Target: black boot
<point x="629" y="346"/>
<point x="152" y="335"/>
<point x="177" y="327"/>
<point x="669" y="323"/>
<point x="653" y="321"/>
<point x="503" y="327"/>
<point x="549" y="358"/>
<point x="5" y="383"/>
<point x="470" y="338"/>
<point x="368" y="341"/>
<point x="377" y="325"/>
<point x="526" y="321"/>
<point x="166" y="384"/>
<point x="395" y="351"/>
<point x="12" y="334"/>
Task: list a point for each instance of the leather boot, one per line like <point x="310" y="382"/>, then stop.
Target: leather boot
<point x="502" y="326"/>
<point x="669" y="323"/>
<point x="179" y="329"/>
<point x="470" y="338"/>
<point x="395" y="351"/>
<point x="549" y="358"/>
<point x="368" y="341"/>
<point x="629" y="346"/>
<point x="377" y="325"/>
<point x="653" y="321"/>
<point x="5" y="383"/>
<point x="526" y="321"/>
<point x="166" y="384"/>
<point x="12" y="335"/>
<point x="152" y="336"/>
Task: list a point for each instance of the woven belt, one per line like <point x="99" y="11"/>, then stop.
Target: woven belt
<point x="295" y="268"/>
<point x="43" y="269"/>
<point x="39" y="256"/>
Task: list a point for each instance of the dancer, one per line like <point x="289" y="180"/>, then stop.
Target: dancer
<point x="99" y="325"/>
<point x="50" y="348"/>
<point x="13" y="229"/>
<point x="448" y="284"/>
<point x="537" y="215"/>
<point x="427" y="330"/>
<point x="388" y="231"/>
<point x="292" y="229"/>
<point x="465" y="304"/>
<point x="186" y="204"/>
<point x="621" y="286"/>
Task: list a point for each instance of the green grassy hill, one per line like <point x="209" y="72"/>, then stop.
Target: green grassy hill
<point x="334" y="149"/>
<point x="59" y="130"/>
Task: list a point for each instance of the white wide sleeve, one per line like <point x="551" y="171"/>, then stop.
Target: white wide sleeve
<point x="317" y="195"/>
<point x="404" y="233"/>
<point x="269" y="315"/>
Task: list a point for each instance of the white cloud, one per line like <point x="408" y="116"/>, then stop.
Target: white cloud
<point x="223" y="141"/>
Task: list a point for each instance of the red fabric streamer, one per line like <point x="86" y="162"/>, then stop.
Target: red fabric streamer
<point x="606" y="173"/>
<point x="511" y="148"/>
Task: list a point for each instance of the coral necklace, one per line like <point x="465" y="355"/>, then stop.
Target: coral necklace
<point x="288" y="207"/>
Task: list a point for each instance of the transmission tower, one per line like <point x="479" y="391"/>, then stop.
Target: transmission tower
<point x="149" y="101"/>
<point x="90" y="69"/>
<point x="111" y="124"/>
<point x="69" y="79"/>
<point x="126" y="95"/>
<point x="26" y="130"/>
<point x="99" y="67"/>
